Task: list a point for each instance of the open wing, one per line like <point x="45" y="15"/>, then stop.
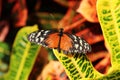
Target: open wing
<point x="79" y="45"/>
<point x="39" y="37"/>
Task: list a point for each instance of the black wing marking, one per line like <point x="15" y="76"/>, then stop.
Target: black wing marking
<point x="39" y="37"/>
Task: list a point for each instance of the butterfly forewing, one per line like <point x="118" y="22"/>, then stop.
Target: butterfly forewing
<point x="52" y="40"/>
<point x="79" y="45"/>
<point x="39" y="37"/>
<point x="66" y="43"/>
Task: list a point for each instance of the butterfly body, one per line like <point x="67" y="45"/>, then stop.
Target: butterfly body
<point x="66" y="42"/>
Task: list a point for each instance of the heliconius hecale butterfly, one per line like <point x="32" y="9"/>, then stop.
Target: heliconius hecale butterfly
<point x="59" y="40"/>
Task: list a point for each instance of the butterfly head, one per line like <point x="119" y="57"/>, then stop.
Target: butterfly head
<point x="61" y="32"/>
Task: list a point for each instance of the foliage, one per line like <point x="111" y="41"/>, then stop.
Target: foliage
<point x="109" y="17"/>
<point x="77" y="68"/>
<point x="4" y="57"/>
<point x="24" y="53"/>
<point x="23" y="56"/>
<point x="81" y="68"/>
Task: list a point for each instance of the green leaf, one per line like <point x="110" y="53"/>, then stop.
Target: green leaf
<point x="114" y="75"/>
<point x="77" y="68"/>
<point x="23" y="56"/>
<point x="4" y="49"/>
<point x="4" y="53"/>
<point x="109" y="17"/>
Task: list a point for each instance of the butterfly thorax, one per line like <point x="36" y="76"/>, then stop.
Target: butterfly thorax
<point x="61" y="32"/>
<point x="60" y="35"/>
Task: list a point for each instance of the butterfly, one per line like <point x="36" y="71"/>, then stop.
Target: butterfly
<point x="60" y="40"/>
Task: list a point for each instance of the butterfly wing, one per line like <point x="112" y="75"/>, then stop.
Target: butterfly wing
<point x="79" y="45"/>
<point x="46" y="38"/>
<point x="69" y="43"/>
<point x="66" y="43"/>
<point x="52" y="40"/>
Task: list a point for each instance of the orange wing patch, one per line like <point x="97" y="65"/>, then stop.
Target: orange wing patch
<point x="66" y="42"/>
<point x="52" y="40"/>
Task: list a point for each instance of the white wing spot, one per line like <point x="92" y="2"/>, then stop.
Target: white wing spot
<point x="76" y="46"/>
<point x="38" y="34"/>
<point x="74" y="37"/>
<point x="46" y="31"/>
<point x="45" y="34"/>
<point x="75" y="51"/>
<point x="42" y="30"/>
<point x="32" y="35"/>
<point x="41" y="39"/>
<point x="80" y="48"/>
<point x="37" y="39"/>
<point x="80" y="42"/>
